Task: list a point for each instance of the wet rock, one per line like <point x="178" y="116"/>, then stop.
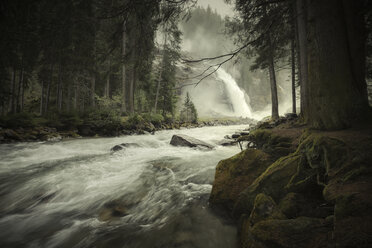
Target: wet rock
<point x="12" y="135"/>
<point x="272" y="181"/>
<point x="302" y="232"/>
<point x="117" y="148"/>
<point x="265" y="208"/>
<point x="273" y="144"/>
<point x="292" y="205"/>
<point x="123" y="146"/>
<point x="291" y="116"/>
<point x="235" y="135"/>
<point x="235" y="174"/>
<point x="112" y="210"/>
<point x="185" y="140"/>
<point x="86" y="130"/>
<point x="227" y="142"/>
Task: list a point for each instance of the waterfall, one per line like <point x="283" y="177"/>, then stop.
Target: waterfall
<point x="217" y="96"/>
<point x="237" y="96"/>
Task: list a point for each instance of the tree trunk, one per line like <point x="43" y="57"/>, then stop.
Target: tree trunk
<point x="107" y="87"/>
<point x="42" y="98"/>
<point x="18" y="105"/>
<point x="59" y="89"/>
<point x="336" y="95"/>
<point x="293" y="65"/>
<point x="132" y="79"/>
<point x="68" y="102"/>
<point x="76" y="96"/>
<point x="13" y="96"/>
<point x="274" y="91"/>
<point x="23" y="92"/>
<point x="93" y="91"/>
<point x="301" y="13"/>
<point x="160" y="71"/>
<point x="50" y="81"/>
<point x="123" y="69"/>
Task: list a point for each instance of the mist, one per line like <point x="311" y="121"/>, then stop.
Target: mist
<point x="204" y="35"/>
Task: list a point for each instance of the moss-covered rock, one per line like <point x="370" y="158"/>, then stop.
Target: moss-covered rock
<point x="275" y="145"/>
<point x="292" y="205"/>
<point x="324" y="188"/>
<point x="271" y="182"/>
<point x="302" y="232"/>
<point x="264" y="208"/>
<point x="235" y="174"/>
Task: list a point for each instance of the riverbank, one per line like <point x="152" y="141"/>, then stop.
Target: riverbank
<point x="128" y="126"/>
<point x="296" y="187"/>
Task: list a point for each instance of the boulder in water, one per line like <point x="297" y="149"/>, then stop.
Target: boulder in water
<point x="112" y="210"/>
<point x="185" y="140"/>
<point x="227" y="142"/>
<point x="123" y="146"/>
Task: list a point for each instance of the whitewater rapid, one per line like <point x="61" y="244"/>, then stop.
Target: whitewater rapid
<point x="52" y="193"/>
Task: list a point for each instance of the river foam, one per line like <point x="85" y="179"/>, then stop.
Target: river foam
<point x="52" y="193"/>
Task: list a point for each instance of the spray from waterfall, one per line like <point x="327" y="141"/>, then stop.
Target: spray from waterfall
<point x="219" y="96"/>
<point x="237" y="96"/>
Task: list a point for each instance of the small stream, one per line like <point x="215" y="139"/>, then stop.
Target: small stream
<point x="53" y="194"/>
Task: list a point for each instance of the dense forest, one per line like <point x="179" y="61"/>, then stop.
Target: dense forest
<point x="62" y="60"/>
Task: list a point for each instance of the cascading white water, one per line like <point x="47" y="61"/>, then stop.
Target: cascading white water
<point x="236" y="95"/>
<point x="52" y="193"/>
<point x="218" y="95"/>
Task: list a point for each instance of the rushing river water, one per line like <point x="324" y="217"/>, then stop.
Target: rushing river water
<point x="53" y="194"/>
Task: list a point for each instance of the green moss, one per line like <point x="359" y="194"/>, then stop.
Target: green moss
<point x="300" y="232"/>
<point x="235" y="174"/>
<point x="356" y="173"/>
<point x="264" y="208"/>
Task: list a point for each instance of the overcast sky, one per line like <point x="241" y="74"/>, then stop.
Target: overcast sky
<point x="221" y="7"/>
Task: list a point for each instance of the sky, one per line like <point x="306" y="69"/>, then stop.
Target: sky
<point x="221" y="7"/>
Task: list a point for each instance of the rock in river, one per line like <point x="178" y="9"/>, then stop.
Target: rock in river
<point x="184" y="140"/>
<point x="122" y="146"/>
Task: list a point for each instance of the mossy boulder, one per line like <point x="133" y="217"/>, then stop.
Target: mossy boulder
<point x="302" y="232"/>
<point x="235" y="174"/>
<point x="271" y="182"/>
<point x="304" y="171"/>
<point x="353" y="220"/>
<point x="265" y="208"/>
<point x="274" y="144"/>
<point x="292" y="205"/>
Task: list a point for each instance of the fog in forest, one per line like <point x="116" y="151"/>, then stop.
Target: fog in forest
<point x="205" y="35"/>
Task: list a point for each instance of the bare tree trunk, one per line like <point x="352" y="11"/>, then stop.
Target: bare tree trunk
<point x="123" y="68"/>
<point x="274" y="91"/>
<point x="42" y="98"/>
<point x="158" y="85"/>
<point x="132" y="80"/>
<point x="59" y="89"/>
<point x="160" y="72"/>
<point x="293" y="65"/>
<point x="50" y="81"/>
<point x="301" y="12"/>
<point x="93" y="91"/>
<point x="107" y="87"/>
<point x="68" y="98"/>
<point x="18" y="106"/>
<point x="23" y="93"/>
<point x="76" y="95"/>
<point x="13" y="87"/>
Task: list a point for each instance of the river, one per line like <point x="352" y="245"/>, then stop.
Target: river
<point x="53" y="194"/>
